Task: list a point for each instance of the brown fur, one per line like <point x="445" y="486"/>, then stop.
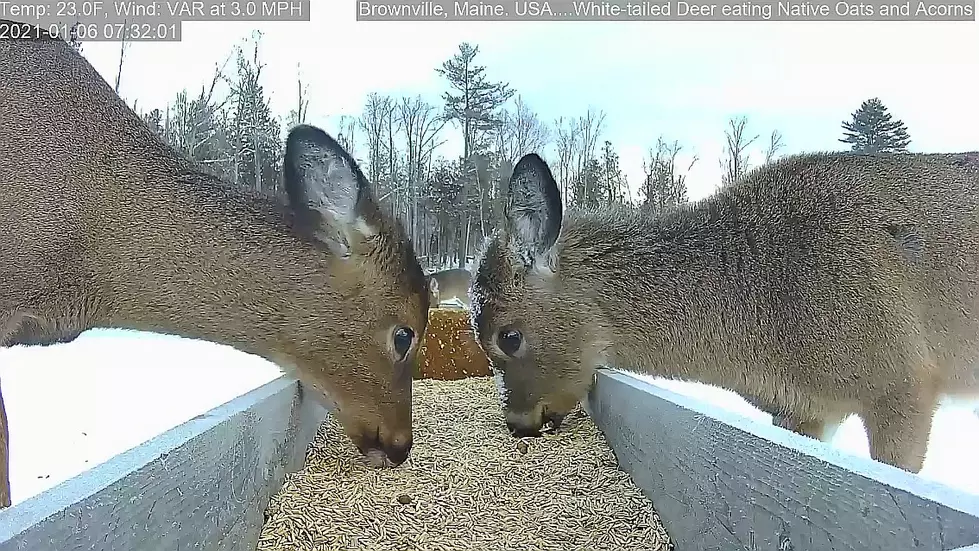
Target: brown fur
<point x="106" y="226"/>
<point x="819" y="286"/>
<point x="449" y="284"/>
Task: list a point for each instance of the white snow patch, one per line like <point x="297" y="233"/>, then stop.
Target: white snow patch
<point x="453" y="302"/>
<point x="73" y="406"/>
<point x="952" y="449"/>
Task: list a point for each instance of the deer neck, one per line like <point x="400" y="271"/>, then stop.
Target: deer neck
<point x="661" y="290"/>
<point x="210" y="264"/>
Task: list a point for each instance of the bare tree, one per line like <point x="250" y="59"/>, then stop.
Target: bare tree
<point x="613" y="181"/>
<point x="521" y="132"/>
<point x="254" y="132"/>
<point x="774" y="146"/>
<point x="396" y="188"/>
<point x="194" y="127"/>
<point x="72" y="38"/>
<point x="123" y="46"/>
<point x="664" y="185"/>
<point x="256" y="160"/>
<point x="590" y="127"/>
<point x="421" y="124"/>
<point x="298" y="114"/>
<point x="374" y="120"/>
<point x="566" y="142"/>
<point x="735" y="160"/>
<point x="585" y="177"/>
<point x="347" y="133"/>
<point x="576" y="141"/>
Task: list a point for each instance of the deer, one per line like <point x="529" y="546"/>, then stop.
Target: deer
<point x="449" y="284"/>
<point x="108" y="226"/>
<point x="819" y="285"/>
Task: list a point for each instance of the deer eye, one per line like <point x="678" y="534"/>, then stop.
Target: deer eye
<point x="509" y="341"/>
<point x="403" y="338"/>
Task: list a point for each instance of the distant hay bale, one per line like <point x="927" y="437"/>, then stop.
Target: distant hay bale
<point x="468" y="485"/>
<point x="449" y="351"/>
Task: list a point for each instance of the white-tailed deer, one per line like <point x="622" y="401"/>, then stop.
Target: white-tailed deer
<point x="818" y="286"/>
<point x="449" y="284"/>
<point x="107" y="226"/>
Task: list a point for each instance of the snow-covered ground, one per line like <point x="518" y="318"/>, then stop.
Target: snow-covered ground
<point x="73" y="406"/>
<point x="953" y="447"/>
<point x="451" y="303"/>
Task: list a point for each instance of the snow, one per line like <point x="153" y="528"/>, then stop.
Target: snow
<point x="73" y="406"/>
<point x="952" y="449"/>
<point x="451" y="265"/>
<point x="453" y="302"/>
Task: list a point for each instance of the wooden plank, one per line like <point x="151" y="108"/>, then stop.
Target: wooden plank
<point x="202" y="485"/>
<point x="723" y="482"/>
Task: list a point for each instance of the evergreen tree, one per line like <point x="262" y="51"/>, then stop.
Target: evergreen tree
<point x="872" y="130"/>
<point x="473" y="100"/>
<point x="475" y="103"/>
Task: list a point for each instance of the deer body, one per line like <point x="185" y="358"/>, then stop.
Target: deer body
<point x="107" y="226"/>
<point x="818" y="286"/>
<point x="449" y="284"/>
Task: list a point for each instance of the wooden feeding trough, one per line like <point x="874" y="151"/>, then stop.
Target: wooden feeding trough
<point x="718" y="481"/>
<point x="449" y="350"/>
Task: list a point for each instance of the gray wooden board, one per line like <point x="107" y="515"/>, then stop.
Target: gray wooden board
<point x="202" y="485"/>
<point x="723" y="482"/>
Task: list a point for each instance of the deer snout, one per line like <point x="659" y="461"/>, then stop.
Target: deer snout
<point x="522" y="425"/>
<point x="397" y="451"/>
<point x="531" y="424"/>
<point x="395" y="448"/>
<point x="555" y="419"/>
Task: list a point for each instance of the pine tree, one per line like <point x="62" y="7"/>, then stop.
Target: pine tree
<point x="477" y="101"/>
<point x="872" y="130"/>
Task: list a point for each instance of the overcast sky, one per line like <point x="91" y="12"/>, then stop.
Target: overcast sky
<point x="681" y="80"/>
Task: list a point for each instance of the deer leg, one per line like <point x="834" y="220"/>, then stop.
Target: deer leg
<point x="823" y="430"/>
<point x="8" y="324"/>
<point x="782" y="418"/>
<point x="899" y="427"/>
<point x="4" y="457"/>
<point x="779" y="418"/>
<point x="819" y="429"/>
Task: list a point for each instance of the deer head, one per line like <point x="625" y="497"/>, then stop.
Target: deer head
<point x="537" y="337"/>
<point x="111" y="227"/>
<point x="366" y="364"/>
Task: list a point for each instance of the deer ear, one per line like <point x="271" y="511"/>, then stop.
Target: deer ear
<point x="533" y="211"/>
<point x="326" y="189"/>
<point x="433" y="284"/>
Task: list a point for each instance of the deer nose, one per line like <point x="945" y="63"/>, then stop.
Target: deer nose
<point x="522" y="426"/>
<point x="555" y="419"/>
<point x="397" y="453"/>
<point x="396" y="449"/>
